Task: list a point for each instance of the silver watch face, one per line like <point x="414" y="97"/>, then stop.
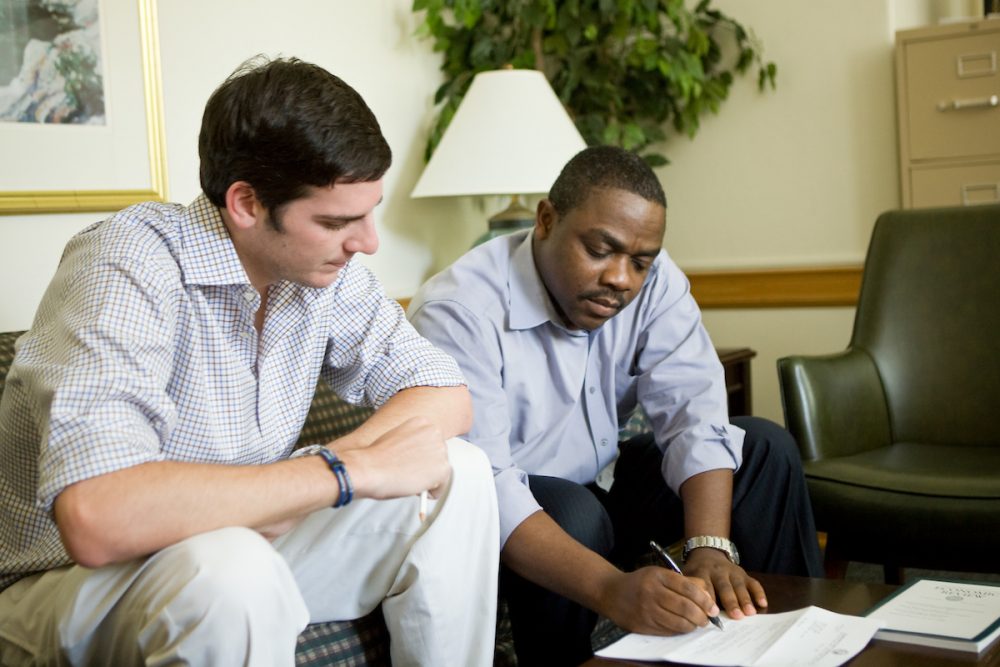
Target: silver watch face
<point x="720" y="543"/>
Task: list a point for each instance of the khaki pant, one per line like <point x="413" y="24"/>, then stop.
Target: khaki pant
<point x="229" y="597"/>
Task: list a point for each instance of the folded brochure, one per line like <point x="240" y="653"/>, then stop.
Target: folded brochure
<point x="959" y="615"/>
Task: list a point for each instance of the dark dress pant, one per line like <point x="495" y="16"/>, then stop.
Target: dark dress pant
<point x="772" y="526"/>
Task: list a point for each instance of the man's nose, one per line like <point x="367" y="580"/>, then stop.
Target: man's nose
<point x="364" y="238"/>
<point x="616" y="274"/>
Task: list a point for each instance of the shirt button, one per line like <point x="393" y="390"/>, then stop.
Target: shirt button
<point x="604" y="442"/>
<point x="248" y="296"/>
<point x="245" y="334"/>
<point x="593" y="389"/>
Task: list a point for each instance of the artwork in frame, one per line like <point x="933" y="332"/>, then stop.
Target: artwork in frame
<point x="50" y="62"/>
<point x="80" y="102"/>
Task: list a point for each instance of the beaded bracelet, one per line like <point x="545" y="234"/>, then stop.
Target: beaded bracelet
<point x="343" y="479"/>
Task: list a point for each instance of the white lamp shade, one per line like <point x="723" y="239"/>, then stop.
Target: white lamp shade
<point x="510" y="135"/>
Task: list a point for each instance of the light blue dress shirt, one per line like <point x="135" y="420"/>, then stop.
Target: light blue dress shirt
<point x="548" y="400"/>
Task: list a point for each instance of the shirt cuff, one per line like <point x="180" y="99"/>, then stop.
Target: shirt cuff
<point x="706" y="447"/>
<point x="515" y="500"/>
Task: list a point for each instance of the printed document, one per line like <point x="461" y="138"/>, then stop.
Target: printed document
<point x="810" y="636"/>
<point x="958" y="615"/>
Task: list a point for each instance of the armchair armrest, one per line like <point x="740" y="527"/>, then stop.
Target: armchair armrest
<point x="834" y="404"/>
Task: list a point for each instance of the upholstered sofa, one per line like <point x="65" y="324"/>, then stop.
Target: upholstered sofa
<point x="364" y="641"/>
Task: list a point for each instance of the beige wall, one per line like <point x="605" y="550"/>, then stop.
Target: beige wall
<point x="793" y="177"/>
<point x="369" y="44"/>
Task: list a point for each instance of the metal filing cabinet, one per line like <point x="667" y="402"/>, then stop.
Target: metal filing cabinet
<point x="948" y="105"/>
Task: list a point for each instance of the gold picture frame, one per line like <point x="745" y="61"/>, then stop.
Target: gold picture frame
<point x="89" y="200"/>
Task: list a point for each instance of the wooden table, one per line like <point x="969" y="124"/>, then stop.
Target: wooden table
<point x="785" y="593"/>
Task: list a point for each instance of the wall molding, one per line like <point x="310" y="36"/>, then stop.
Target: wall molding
<point x="771" y="288"/>
<point x="777" y="288"/>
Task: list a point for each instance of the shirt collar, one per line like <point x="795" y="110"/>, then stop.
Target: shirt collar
<point x="207" y="255"/>
<point x="530" y="305"/>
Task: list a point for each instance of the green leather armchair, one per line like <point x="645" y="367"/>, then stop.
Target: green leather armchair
<point x="900" y="433"/>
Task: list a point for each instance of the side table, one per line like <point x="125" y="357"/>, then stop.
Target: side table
<point x="736" y="365"/>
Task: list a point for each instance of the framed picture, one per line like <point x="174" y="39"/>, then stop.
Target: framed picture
<point x="81" y="104"/>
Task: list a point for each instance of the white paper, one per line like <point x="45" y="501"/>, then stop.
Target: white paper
<point x="943" y="608"/>
<point x="810" y="636"/>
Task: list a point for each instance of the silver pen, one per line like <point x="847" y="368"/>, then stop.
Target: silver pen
<point x="716" y="621"/>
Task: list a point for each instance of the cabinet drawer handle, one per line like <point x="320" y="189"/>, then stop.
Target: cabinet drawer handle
<point x="969" y="189"/>
<point x="975" y="103"/>
<point x="977" y="64"/>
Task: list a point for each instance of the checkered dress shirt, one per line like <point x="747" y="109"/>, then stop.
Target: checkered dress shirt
<point x="144" y="349"/>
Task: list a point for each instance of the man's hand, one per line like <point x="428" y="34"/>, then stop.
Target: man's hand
<point x="403" y="461"/>
<point x="708" y="499"/>
<point x="738" y="592"/>
<point x="657" y="601"/>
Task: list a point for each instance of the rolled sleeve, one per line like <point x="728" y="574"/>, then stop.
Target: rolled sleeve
<point x="517" y="504"/>
<point x="102" y="404"/>
<point x="707" y="447"/>
<point x="681" y="387"/>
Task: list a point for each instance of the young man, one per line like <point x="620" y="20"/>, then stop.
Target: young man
<point x="562" y="332"/>
<point x="153" y="509"/>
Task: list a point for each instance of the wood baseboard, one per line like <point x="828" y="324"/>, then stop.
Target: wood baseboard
<point x="777" y="288"/>
<point x="771" y="288"/>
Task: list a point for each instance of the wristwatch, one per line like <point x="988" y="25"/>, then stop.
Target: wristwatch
<point x="720" y="543"/>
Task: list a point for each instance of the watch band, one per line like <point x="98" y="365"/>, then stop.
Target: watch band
<point x="714" y="542"/>
<point x="336" y="467"/>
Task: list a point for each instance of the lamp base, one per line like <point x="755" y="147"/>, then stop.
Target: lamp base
<point x="515" y="217"/>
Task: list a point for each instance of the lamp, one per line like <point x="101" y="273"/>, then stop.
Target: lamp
<point x="510" y="136"/>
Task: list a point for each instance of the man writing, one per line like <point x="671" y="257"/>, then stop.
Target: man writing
<point x="562" y="332"/>
<point x="152" y="511"/>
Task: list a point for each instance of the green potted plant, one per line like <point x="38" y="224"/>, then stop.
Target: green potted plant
<point x="623" y="68"/>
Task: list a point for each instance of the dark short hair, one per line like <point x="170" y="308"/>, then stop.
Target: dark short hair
<point x="282" y="125"/>
<point x="604" y="167"/>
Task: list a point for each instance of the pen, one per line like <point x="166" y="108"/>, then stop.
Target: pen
<point x="423" y="505"/>
<point x="716" y="621"/>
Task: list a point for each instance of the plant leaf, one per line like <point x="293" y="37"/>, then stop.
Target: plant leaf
<point x="624" y="69"/>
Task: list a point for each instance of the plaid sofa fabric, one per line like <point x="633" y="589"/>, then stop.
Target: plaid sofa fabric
<point x="364" y="641"/>
<point x="329" y="417"/>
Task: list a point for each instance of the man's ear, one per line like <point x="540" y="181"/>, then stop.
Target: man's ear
<point x="545" y="218"/>
<point x="242" y="205"/>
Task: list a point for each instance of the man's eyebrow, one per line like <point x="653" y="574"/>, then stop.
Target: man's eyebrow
<point x="347" y="217"/>
<point x="616" y="245"/>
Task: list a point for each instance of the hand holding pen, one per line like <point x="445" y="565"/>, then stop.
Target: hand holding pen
<point x="716" y="621"/>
